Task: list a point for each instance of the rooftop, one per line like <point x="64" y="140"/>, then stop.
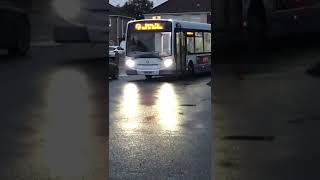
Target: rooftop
<point x="181" y="6"/>
<point x="112" y="10"/>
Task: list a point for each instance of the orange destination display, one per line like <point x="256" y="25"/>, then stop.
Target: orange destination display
<point x="148" y="26"/>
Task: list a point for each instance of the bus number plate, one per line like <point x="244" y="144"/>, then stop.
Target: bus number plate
<point x="148" y="72"/>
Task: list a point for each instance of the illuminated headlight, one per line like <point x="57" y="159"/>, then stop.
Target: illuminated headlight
<point x="130" y="63"/>
<point x="168" y="63"/>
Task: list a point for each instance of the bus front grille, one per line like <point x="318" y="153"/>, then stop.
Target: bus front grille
<point x="147" y="64"/>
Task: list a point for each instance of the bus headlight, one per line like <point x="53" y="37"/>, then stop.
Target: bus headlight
<point x="168" y="63"/>
<point x="130" y="63"/>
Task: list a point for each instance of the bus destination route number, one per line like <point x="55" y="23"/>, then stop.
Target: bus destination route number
<point x="148" y="26"/>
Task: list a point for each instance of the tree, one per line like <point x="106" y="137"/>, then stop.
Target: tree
<point x="136" y="8"/>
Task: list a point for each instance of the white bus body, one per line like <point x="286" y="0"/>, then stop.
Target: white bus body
<point x="160" y="47"/>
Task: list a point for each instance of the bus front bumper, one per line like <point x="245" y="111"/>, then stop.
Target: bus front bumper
<point x="151" y="73"/>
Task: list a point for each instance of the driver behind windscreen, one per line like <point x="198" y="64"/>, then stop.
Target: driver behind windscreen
<point x="137" y="45"/>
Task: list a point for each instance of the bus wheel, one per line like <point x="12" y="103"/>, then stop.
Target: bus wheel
<point x="190" y="71"/>
<point x="148" y="77"/>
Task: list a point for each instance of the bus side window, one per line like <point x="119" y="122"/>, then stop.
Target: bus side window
<point x="190" y="45"/>
<point x="199" y="42"/>
<point x="207" y="42"/>
<point x="177" y="43"/>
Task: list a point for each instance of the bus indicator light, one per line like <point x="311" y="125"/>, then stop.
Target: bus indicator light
<point x="148" y="26"/>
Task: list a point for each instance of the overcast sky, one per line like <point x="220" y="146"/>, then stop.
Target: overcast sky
<point x="121" y="2"/>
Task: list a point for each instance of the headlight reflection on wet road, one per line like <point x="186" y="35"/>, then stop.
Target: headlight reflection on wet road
<point x="167" y="107"/>
<point x="130" y="103"/>
<point x="68" y="131"/>
<point x="164" y="112"/>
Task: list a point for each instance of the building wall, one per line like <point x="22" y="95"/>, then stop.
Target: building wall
<point x="193" y="17"/>
<point x="118" y="29"/>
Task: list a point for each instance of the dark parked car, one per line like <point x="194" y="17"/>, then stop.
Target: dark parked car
<point x="15" y="29"/>
<point x="113" y="70"/>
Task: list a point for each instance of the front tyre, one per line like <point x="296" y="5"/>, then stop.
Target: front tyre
<point x="190" y="71"/>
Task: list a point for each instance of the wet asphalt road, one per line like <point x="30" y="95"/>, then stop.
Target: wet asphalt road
<point x="160" y="128"/>
<point x="53" y="117"/>
<point x="266" y="122"/>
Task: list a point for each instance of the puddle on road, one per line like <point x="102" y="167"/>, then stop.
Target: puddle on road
<point x="249" y="138"/>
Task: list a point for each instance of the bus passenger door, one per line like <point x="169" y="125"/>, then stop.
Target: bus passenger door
<point x="180" y="51"/>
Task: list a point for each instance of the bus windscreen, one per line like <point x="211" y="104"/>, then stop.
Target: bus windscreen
<point x="151" y="39"/>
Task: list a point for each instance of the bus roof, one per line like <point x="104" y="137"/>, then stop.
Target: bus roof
<point x="184" y="24"/>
